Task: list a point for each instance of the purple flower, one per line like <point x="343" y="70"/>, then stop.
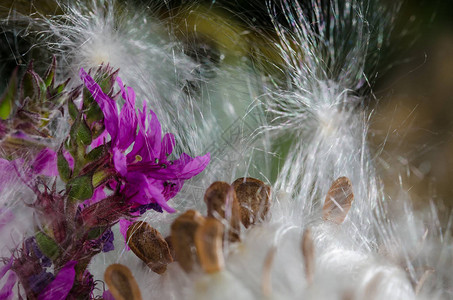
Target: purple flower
<point x="59" y="288"/>
<point x="147" y="175"/>
<point x="106" y="240"/>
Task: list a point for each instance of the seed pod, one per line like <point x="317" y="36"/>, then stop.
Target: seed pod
<point x="183" y="235"/>
<point x="121" y="283"/>
<point x="221" y="201"/>
<point x="338" y="201"/>
<point x="208" y="240"/>
<point x="149" y="245"/>
<point x="254" y="199"/>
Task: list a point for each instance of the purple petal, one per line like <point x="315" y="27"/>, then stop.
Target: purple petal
<point x="7" y="290"/>
<point x="172" y="188"/>
<point x="98" y="195"/>
<point x="134" y="188"/>
<point x="140" y="140"/>
<point x="130" y="95"/>
<point x="8" y="173"/>
<point x="119" y="160"/>
<point x="69" y="158"/>
<point x="60" y="287"/>
<point x="139" y="148"/>
<point x="195" y="166"/>
<point x="181" y="169"/>
<point x="168" y="143"/>
<point x="107" y="238"/>
<point x="142" y="115"/>
<point x="45" y="163"/>
<point x="106" y="295"/>
<point x="100" y="140"/>
<point x="6" y="268"/>
<point x="124" y="226"/>
<point x="155" y="193"/>
<point x="107" y="105"/>
<point x="128" y="118"/>
<point x="145" y="191"/>
<point x="153" y="135"/>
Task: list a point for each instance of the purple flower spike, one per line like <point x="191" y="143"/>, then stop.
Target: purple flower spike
<point x="147" y="175"/>
<point x="59" y="288"/>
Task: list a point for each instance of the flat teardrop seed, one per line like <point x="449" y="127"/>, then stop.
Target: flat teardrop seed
<point x="222" y="202"/>
<point x="170" y="246"/>
<point x="183" y="238"/>
<point x="338" y="200"/>
<point x="254" y="199"/>
<point x="149" y="245"/>
<point x="208" y="240"/>
<point x="121" y="283"/>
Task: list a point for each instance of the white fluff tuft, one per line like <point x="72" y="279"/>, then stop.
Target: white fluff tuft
<point x="382" y="250"/>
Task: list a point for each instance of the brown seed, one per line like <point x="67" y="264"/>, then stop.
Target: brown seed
<point x="338" y="201"/>
<point x="121" y="283"/>
<point x="149" y="245"/>
<point x="208" y="240"/>
<point x="308" y="252"/>
<point x="221" y="201"/>
<point x="170" y="246"/>
<point x="183" y="238"/>
<point x="254" y="199"/>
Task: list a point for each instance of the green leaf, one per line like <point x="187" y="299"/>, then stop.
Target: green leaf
<point x="96" y="153"/>
<point x="28" y="86"/>
<point x="84" y="133"/>
<point x="7" y="99"/>
<point x="106" y="79"/>
<point x="95" y="233"/>
<point x="81" y="188"/>
<point x="47" y="245"/>
<point x="90" y="107"/>
<point x="59" y="88"/>
<point x="49" y="78"/>
<point x="72" y="108"/>
<point x="63" y="167"/>
<point x="93" y="112"/>
<point x="42" y="87"/>
<point x="33" y="86"/>
<point x="81" y="133"/>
